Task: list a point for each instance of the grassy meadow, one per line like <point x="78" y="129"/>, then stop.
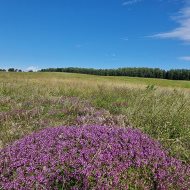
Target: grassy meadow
<point x="32" y="101"/>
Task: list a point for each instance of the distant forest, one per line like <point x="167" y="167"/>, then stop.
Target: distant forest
<point x="173" y="74"/>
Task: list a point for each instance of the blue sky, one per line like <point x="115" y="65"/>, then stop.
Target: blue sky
<point x="38" y="34"/>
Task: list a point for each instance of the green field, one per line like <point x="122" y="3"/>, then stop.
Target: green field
<point x="108" y="79"/>
<point x="32" y="101"/>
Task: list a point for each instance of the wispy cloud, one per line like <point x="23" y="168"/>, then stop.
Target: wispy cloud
<point x="125" y="39"/>
<point x="78" y="45"/>
<point x="130" y="2"/>
<point x="111" y="54"/>
<point x="182" y="32"/>
<point x="185" y="58"/>
<point x="33" y="68"/>
<point x="81" y="45"/>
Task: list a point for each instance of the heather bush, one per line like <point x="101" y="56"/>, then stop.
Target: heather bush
<point x="34" y="115"/>
<point x="32" y="101"/>
<point x="90" y="157"/>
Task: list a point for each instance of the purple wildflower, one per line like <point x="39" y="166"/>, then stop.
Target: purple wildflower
<point x="90" y="157"/>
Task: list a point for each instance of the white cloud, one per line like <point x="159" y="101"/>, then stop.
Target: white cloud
<point x="130" y="2"/>
<point x="33" y="68"/>
<point x="185" y="58"/>
<point x="111" y="54"/>
<point x="78" y="45"/>
<point x="182" y="32"/>
<point x="125" y="39"/>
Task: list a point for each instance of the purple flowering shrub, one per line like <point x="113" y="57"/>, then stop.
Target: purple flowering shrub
<point x="40" y="113"/>
<point x="86" y="114"/>
<point x="90" y="157"/>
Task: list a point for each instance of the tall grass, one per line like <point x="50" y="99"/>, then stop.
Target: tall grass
<point x="27" y="101"/>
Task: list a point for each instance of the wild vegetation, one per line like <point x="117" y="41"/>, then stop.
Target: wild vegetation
<point x="160" y="109"/>
<point x="90" y="157"/>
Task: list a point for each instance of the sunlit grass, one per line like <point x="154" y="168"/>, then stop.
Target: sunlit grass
<point x="160" y="108"/>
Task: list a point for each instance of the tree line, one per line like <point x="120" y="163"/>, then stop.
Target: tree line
<point x="14" y="70"/>
<point x="11" y="70"/>
<point x="173" y="74"/>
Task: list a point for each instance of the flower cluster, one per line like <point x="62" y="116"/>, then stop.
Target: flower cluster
<point x="90" y="157"/>
<point x="34" y="115"/>
<point x="85" y="113"/>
